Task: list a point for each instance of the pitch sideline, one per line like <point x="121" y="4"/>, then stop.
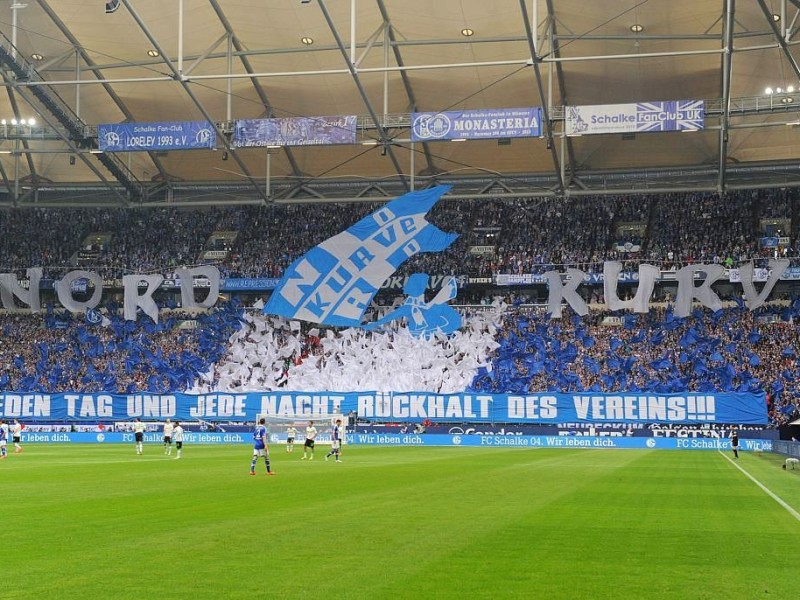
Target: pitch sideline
<point x="764" y="488"/>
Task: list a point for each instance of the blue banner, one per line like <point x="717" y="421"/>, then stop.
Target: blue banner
<point x="244" y="284"/>
<point x="136" y="137"/>
<point x="408" y="407"/>
<point x="791" y="274"/>
<point x="295" y="131"/>
<point x="476" y="124"/>
<point x="589" y="278"/>
<point x="334" y="282"/>
<point x="77" y="286"/>
<point x="555" y="441"/>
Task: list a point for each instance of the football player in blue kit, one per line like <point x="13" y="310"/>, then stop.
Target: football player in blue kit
<point x="3" y="438"/>
<point x="260" y="447"/>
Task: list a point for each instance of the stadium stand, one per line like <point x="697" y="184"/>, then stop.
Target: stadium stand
<point x="513" y="349"/>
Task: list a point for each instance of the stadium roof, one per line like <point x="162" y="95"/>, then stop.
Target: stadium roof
<point x="221" y="60"/>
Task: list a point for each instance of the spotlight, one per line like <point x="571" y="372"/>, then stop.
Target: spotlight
<point x="789" y="89"/>
<point x="467" y="32"/>
<point x="636" y="28"/>
<point x="71" y="160"/>
<point x="307" y="40"/>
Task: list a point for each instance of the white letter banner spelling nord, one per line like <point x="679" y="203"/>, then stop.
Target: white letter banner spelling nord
<point x="670" y="115"/>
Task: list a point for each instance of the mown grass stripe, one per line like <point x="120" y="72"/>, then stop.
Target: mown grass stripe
<point x="764" y="488"/>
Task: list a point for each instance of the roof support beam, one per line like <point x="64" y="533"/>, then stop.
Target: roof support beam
<point x="196" y="62"/>
<point x="779" y="38"/>
<point x="796" y="3"/>
<point x="371" y="41"/>
<point x="67" y="33"/>
<point x="727" y="64"/>
<point x="547" y="127"/>
<point x="404" y="76"/>
<point x="562" y="86"/>
<point x="436" y="42"/>
<point x="494" y="63"/>
<point x="383" y="137"/>
<point x="262" y="95"/>
<point x="185" y="85"/>
<point x="6" y="182"/>
<point x="55" y="61"/>
<point x="64" y="136"/>
<point x="17" y="115"/>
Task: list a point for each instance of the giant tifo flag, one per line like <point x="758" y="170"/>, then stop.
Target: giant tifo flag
<point x="334" y="282"/>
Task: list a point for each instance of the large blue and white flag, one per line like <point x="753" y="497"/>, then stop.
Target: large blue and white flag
<point x="425" y="318"/>
<point x="334" y="282"/>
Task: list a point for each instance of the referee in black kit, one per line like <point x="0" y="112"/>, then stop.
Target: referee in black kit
<point x="735" y="442"/>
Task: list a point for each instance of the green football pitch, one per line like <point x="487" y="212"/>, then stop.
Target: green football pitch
<point x="100" y="522"/>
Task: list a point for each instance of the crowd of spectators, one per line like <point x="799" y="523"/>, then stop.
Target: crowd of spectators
<point x="61" y="352"/>
<point x="707" y="229"/>
<point x="501" y="349"/>
<point x="732" y="350"/>
<point x="112" y="242"/>
<point x="272" y="237"/>
<point x="510" y="236"/>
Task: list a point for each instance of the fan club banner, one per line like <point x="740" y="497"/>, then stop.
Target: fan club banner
<point x="410" y="407"/>
<point x="295" y="131"/>
<point x="476" y="124"/>
<point x="140" y="137"/>
<point x="670" y="115"/>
